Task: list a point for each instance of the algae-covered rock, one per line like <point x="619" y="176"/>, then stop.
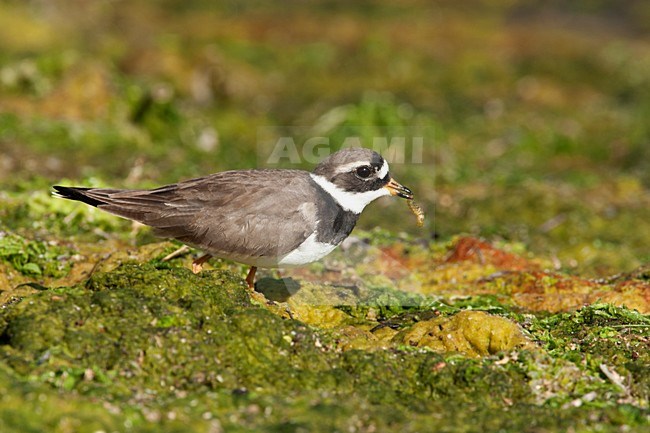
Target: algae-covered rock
<point x="352" y="337"/>
<point x="472" y="333"/>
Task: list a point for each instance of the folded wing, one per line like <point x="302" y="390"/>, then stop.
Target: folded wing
<point x="254" y="213"/>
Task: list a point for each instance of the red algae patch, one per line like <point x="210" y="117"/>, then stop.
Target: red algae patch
<point x="468" y="249"/>
<point x="476" y="267"/>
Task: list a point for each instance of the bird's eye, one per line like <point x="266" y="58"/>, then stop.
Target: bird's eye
<point x="364" y="172"/>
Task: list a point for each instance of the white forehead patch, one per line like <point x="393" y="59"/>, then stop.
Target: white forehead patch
<point x="383" y="171"/>
<point x="351" y="201"/>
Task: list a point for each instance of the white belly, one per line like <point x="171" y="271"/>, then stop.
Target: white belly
<point x="308" y="251"/>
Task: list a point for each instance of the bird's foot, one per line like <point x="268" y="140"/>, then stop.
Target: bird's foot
<point x="197" y="265"/>
<point x="250" y="278"/>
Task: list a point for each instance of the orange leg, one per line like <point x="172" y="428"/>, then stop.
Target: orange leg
<point x="250" y="278"/>
<point x="197" y="264"/>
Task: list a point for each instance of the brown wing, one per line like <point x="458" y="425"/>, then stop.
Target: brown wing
<point x="250" y="213"/>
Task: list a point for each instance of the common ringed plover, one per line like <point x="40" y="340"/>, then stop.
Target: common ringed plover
<point x="265" y="218"/>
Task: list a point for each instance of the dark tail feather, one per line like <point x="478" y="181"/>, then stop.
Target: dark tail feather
<point x="137" y="205"/>
<point x="74" y="193"/>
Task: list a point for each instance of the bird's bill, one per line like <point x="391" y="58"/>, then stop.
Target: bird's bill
<point x="399" y="190"/>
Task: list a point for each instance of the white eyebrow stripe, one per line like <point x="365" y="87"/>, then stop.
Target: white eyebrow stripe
<point x="349" y="166"/>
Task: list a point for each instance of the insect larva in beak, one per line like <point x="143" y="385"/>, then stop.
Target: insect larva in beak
<point x="417" y="211"/>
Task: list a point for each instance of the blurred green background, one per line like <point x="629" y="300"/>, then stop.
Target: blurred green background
<point x="534" y="115"/>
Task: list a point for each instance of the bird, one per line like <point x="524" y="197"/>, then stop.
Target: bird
<point x="259" y="217"/>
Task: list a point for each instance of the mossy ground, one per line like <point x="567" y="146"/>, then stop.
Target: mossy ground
<point x="521" y="306"/>
<point x="144" y="345"/>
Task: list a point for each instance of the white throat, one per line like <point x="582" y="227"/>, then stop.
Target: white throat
<point x="350" y="201"/>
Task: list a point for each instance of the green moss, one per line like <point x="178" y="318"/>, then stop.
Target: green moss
<point x="602" y="334"/>
<point x="387" y="303"/>
<point x="161" y="329"/>
<point x="164" y="348"/>
<point x="34" y="258"/>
